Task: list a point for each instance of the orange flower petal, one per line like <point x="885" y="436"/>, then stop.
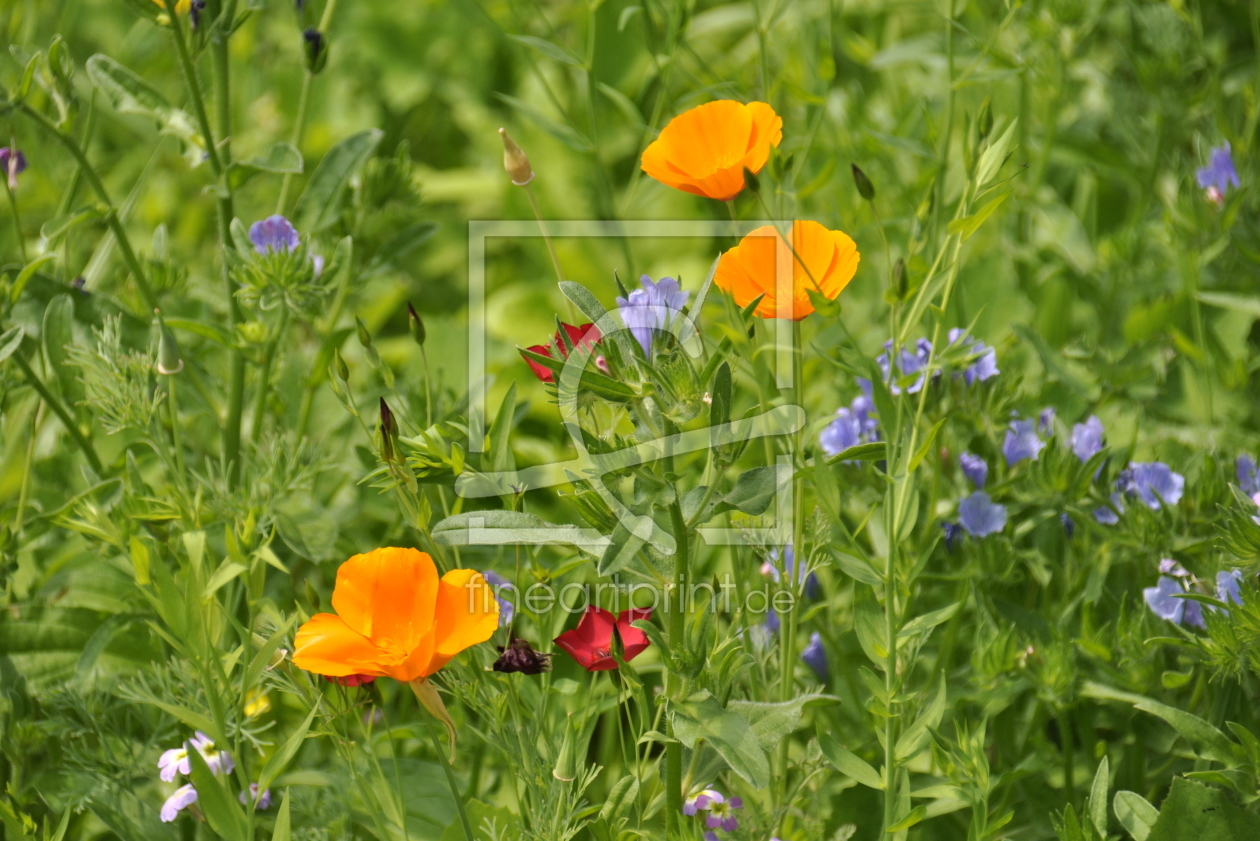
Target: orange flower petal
<point x="467" y="613"/>
<point x="388" y="595"/>
<point x="706" y="150"/>
<point x="824" y="261"/>
<point x="326" y="645"/>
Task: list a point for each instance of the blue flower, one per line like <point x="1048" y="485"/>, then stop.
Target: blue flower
<point x="506" y="609"/>
<point x="1021" y="442"/>
<point x="981" y="516"/>
<point x="273" y="234"/>
<point x="771" y="569"/>
<point x="1219" y="175"/>
<point x="815" y="656"/>
<point x="1248" y="479"/>
<point x="12" y="163"/>
<point x="1045" y="421"/>
<point x="772" y="621"/>
<point x="974" y="468"/>
<point x="953" y="534"/>
<point x="1087" y="438"/>
<point x="841" y="434"/>
<point x="1152" y="482"/>
<point x="1069" y="525"/>
<point x="1165" y="602"/>
<point x="907" y="364"/>
<point x="651" y="308"/>
<point x="1108" y="517"/>
<point x="984" y="367"/>
<point x="1227" y="586"/>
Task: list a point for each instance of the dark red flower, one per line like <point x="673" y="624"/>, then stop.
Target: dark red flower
<point x="352" y="680"/>
<point x="585" y="334"/>
<point x="590" y="642"/>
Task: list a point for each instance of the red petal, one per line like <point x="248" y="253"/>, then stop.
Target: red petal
<point x="634" y="640"/>
<point x="596" y="627"/>
<point x="588" y="656"/>
<point x="541" y="371"/>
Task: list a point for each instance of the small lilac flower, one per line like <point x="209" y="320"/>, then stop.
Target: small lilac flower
<point x="13" y="162"/>
<point x="907" y="364"/>
<point x="1227" y="586"/>
<point x="1152" y="482"/>
<point x="176" y="761"/>
<point x="953" y="534"/>
<point x="699" y="800"/>
<point x="263" y="803"/>
<point x="1045" y="421"/>
<point x="721" y="811"/>
<point x="1108" y="517"/>
<point x="651" y="308"/>
<point x="1219" y="175"/>
<point x="1021" y="442"/>
<point x="841" y="434"/>
<point x="1069" y="525"/>
<point x="506" y="609"/>
<point x="974" y="468"/>
<point x="1165" y="602"/>
<point x="863" y="408"/>
<point x="183" y="797"/>
<point x="980" y="516"/>
<point x="1248" y="476"/>
<point x="771" y="569"/>
<point x="273" y="234"/>
<point x="815" y="656"/>
<point x="1169" y="566"/>
<point x="1087" y="438"/>
<point x="984" y="367"/>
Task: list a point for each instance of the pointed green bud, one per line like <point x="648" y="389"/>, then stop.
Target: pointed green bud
<point x="984" y="120"/>
<point x="415" y="325"/>
<point x="169" y="361"/>
<point x="515" y="161"/>
<point x="339" y="364"/>
<point x="365" y="338"/>
<point x="864" y="186"/>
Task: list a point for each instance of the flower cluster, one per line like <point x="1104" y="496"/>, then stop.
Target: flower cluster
<point x="720" y="811"/>
<point x="854" y="424"/>
<point x="1168" y="598"/>
<point x="177" y="761"/>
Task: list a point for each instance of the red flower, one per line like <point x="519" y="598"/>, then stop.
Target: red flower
<point x="590" y="642"/>
<point x="586" y="334"/>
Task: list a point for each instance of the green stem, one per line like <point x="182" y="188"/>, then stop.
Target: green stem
<point x="299" y="130"/>
<point x="450" y="778"/>
<point x="264" y="378"/>
<point x="24" y="493"/>
<point x="53" y="403"/>
<point x="677" y="633"/>
<point x="194" y="89"/>
<point x="176" y="439"/>
<point x="428" y="390"/>
<point x="17" y="221"/>
<point x="551" y="250"/>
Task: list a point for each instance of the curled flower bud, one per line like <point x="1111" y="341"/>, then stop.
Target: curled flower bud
<point x="415" y="325"/>
<point x="521" y="657"/>
<point x="13" y="162"/>
<point x="343" y="371"/>
<point x="316" y="49"/>
<point x="515" y="161"/>
<point x="389" y="433"/>
<point x="864" y="186"/>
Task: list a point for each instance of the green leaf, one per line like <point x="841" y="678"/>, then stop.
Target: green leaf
<point x="564" y="133"/>
<point x="549" y="49"/>
<point x="874" y="451"/>
<point x="1208" y="742"/>
<point x="489" y="823"/>
<point x="773" y="722"/>
<point x="227" y="570"/>
<point x="278" y="761"/>
<point x="319" y="206"/>
<point x="498" y="527"/>
<point x="589" y="306"/>
<point x="702" y="717"/>
<point x="24" y="276"/>
<point x="263" y="656"/>
<point x="857" y="569"/>
<point x="281" y="159"/>
<point x="11" y="341"/>
<point x="98" y="642"/>
<point x="849" y="763"/>
<point x="926" y="621"/>
<point x="993" y="158"/>
<point x="1098" y="797"/>
<point x="1135" y="814"/>
<point x="222" y="811"/>
<point x="968" y="225"/>
<point x="1194" y="811"/>
<point x="195" y="720"/>
<point x="620" y="799"/>
<point x="53" y="229"/>
<point x="213" y="332"/>
<point x="282" y="832"/>
<point x="501" y="459"/>
<point x="1246" y="304"/>
<point x="754" y="490"/>
<point x="917" y="814"/>
<point x="868" y="622"/>
<point x="623" y="545"/>
<point x="918" y="735"/>
<point x="130" y="94"/>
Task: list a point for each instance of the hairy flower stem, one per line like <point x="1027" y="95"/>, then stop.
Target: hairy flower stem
<point x="677" y="641"/>
<point x="60" y="411"/>
<point x="450" y="779"/>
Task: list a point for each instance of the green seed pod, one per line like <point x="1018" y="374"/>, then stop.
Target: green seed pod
<point x="365" y="338"/>
<point x="169" y="361"/>
<point x="415" y="325"/>
<point x="864" y="186"/>
<point x="343" y="371"/>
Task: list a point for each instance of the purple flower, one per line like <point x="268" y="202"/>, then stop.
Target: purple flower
<point x="841" y="434"/>
<point x="1168" y="566"/>
<point x="1219" y="175"/>
<point x="651" y="308"/>
<point x="698" y="801"/>
<point x="263" y="803"/>
<point x="984" y="367"/>
<point x="12" y="161"/>
<point x="273" y="234"/>
<point x="907" y="364"/>
<point x="176" y="761"/>
<point x="721" y="811"/>
<point x="1087" y="438"/>
<point x="815" y="656"/>
<point x="1069" y="526"/>
<point x="953" y="534"/>
<point x="980" y="516"/>
<point x="1108" y="517"/>
<point x="1165" y="602"/>
<point x="1248" y="479"/>
<point x="1152" y="482"/>
<point x="183" y="797"/>
<point x="1227" y="586"/>
<point x="506" y="609"/>
<point x="1021" y="442"/>
<point x="974" y="468"/>
<point x="771" y="569"/>
<point x="1045" y="421"/>
<point x="772" y="621"/>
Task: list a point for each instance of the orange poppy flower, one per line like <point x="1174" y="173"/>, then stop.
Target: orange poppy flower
<point x="825" y="261"/>
<point x="182" y="6"/>
<point x="706" y="150"/>
<point x="396" y="618"/>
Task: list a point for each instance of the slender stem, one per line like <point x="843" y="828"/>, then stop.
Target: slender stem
<point x="60" y="411"/>
<point x="17" y="221"/>
<point x="24" y="494"/>
<point x="450" y="778"/>
<point x="299" y="130"/>
<point x="264" y="377"/>
<point x="428" y="391"/>
<point x="946" y="136"/>
<point x="194" y="89"/>
<point x="677" y="633"/>
<point x="176" y="439"/>
<point x="551" y="250"/>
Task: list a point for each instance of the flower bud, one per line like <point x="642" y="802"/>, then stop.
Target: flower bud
<point x="984" y="120"/>
<point x="389" y="433"/>
<point x="365" y="338"/>
<point x="316" y="49"/>
<point x="169" y="361"/>
<point x="864" y="186"/>
<point x="567" y="762"/>
<point x="515" y="161"/>
<point x="752" y="181"/>
<point x="340" y="365"/>
<point x="415" y="325"/>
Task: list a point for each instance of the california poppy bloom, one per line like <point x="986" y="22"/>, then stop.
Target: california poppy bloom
<point x="706" y="150"/>
<point x="587" y="334"/>
<point x="824" y="261"/>
<point x="396" y="618"/>
<point x="590" y="642"/>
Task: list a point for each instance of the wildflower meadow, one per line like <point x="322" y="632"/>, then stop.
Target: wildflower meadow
<point x="596" y="420"/>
